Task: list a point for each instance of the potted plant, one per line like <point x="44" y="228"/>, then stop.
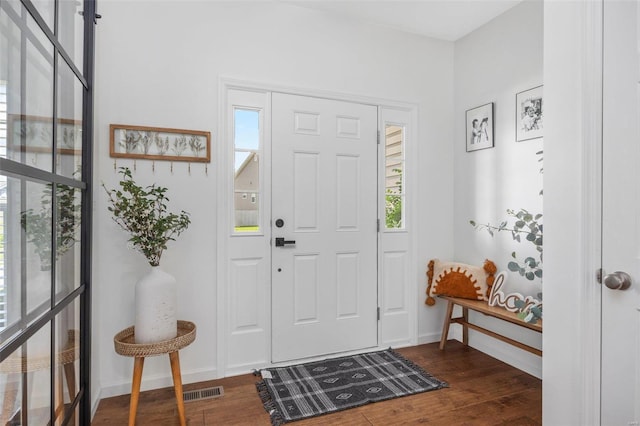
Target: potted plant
<point x="37" y="224"/>
<point x="142" y="212"/>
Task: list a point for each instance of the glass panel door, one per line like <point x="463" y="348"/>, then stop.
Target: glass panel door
<point x="45" y="199"/>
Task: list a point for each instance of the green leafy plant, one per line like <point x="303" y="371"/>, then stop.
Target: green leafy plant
<point x="393" y="204"/>
<point x="541" y="160"/>
<point x="525" y="224"/>
<point x="143" y="213"/>
<point x="37" y="223"/>
<point x="528" y="313"/>
<point x="393" y="211"/>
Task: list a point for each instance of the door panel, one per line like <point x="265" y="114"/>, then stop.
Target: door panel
<point x="324" y="170"/>
<point x="620" y="391"/>
<point x="305" y="192"/>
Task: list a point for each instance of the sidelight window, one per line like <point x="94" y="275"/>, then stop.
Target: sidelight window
<point x="394" y="176"/>
<point x="246" y="178"/>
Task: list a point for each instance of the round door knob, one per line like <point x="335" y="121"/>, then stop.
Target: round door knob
<point x="617" y="281"/>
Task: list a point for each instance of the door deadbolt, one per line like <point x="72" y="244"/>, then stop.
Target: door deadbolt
<point x="279" y="223"/>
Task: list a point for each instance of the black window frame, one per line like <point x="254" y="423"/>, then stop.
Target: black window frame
<point x="25" y="172"/>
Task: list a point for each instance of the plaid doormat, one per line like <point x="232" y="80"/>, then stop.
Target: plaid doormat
<point x="312" y="389"/>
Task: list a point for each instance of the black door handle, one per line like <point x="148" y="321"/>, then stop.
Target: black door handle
<point x="281" y="242"/>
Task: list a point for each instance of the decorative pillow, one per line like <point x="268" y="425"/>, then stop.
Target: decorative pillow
<point x="459" y="280"/>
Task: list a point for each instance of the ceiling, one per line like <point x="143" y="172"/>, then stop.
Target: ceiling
<point x="441" y="19"/>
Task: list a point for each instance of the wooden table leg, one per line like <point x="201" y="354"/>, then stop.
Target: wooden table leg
<point x="445" y="327"/>
<point x="70" y="375"/>
<point x="138" y="364"/>
<point x="465" y="329"/>
<point x="10" y="381"/>
<point x="177" y="384"/>
<point x="58" y="412"/>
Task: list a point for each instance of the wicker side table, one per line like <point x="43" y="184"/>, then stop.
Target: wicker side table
<point x="17" y="364"/>
<point x="125" y="345"/>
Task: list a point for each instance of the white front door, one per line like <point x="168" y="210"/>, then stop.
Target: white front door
<point x="620" y="390"/>
<point x="324" y="210"/>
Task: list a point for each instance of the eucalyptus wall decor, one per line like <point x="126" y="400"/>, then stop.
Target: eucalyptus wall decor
<point x="524" y="226"/>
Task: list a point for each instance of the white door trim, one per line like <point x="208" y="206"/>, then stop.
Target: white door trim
<point x="226" y="83"/>
<point x="592" y="208"/>
<point x="573" y="92"/>
<point x="224" y="181"/>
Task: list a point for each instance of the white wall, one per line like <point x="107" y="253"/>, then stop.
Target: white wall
<point x="158" y="64"/>
<point x="492" y="64"/>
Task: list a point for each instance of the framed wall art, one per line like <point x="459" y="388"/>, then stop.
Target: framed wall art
<point x="479" y="127"/>
<point x="529" y="123"/>
<point x="30" y="133"/>
<point x="156" y="143"/>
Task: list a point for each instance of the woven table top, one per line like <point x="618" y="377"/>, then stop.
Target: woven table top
<point x="125" y="345"/>
<point x="16" y="363"/>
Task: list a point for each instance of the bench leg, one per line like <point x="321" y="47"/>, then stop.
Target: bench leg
<point x="445" y="327"/>
<point x="465" y="329"/>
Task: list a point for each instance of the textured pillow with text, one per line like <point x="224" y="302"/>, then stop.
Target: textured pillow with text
<point x="459" y="280"/>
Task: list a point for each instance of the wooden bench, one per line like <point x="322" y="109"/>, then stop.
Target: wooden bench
<point x="492" y="311"/>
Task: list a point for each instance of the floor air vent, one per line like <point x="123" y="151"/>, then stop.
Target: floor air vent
<point x="200" y="394"/>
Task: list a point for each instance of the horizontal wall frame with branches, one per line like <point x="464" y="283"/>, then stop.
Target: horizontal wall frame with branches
<point x="157" y="143"/>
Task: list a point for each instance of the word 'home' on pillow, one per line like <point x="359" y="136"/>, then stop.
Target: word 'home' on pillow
<point x="459" y="280"/>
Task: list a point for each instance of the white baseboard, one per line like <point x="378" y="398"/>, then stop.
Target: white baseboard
<point x="429" y="338"/>
<point x="157" y="382"/>
<point x="400" y="343"/>
<point x="95" y="401"/>
<point x="506" y="353"/>
<point x="240" y="369"/>
<point x="518" y="358"/>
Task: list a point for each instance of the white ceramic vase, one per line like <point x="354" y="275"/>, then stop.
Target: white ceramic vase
<point x="156" y="307"/>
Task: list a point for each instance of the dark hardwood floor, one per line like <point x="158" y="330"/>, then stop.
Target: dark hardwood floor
<point x="482" y="391"/>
